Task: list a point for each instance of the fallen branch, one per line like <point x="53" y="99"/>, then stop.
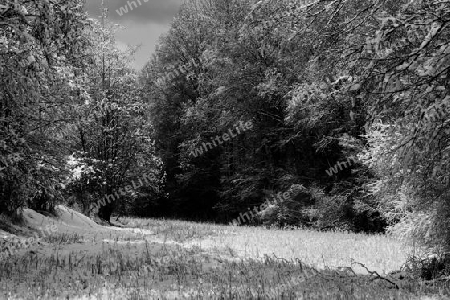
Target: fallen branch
<point x="377" y="276"/>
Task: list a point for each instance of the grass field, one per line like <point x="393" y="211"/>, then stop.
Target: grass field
<point x="161" y="259"/>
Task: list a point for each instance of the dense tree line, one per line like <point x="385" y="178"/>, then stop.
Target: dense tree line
<point x="348" y="86"/>
<point x="347" y="102"/>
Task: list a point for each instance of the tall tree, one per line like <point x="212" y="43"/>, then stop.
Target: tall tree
<point x="408" y="88"/>
<point x="113" y="130"/>
<point x="41" y="44"/>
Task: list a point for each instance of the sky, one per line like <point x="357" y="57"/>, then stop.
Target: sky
<point x="144" y="23"/>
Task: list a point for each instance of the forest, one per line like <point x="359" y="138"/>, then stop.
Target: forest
<point x="327" y="114"/>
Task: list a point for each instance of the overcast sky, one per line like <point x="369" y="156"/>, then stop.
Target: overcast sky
<point x="144" y="24"/>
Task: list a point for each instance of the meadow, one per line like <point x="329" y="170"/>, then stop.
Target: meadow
<point x="164" y="259"/>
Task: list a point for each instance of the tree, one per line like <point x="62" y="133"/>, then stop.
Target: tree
<point x="40" y="46"/>
<point x="112" y="131"/>
<point x="407" y="82"/>
<point x="275" y="64"/>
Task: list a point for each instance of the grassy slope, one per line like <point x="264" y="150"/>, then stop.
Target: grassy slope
<point x="158" y="259"/>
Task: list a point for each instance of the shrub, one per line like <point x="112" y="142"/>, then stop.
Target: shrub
<point x="331" y="212"/>
<point x="429" y="267"/>
<point x="43" y="201"/>
<point x="314" y="208"/>
<point x="410" y="188"/>
<point x="288" y="211"/>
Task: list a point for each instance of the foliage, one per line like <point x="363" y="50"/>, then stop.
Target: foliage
<point x="428" y="268"/>
<point x="67" y="93"/>
<point x="39" y="46"/>
<point x="288" y="75"/>
<point x="407" y="80"/>
<point x="321" y="83"/>
<point x="291" y="210"/>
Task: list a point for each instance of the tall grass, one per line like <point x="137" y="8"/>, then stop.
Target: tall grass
<point x="184" y="260"/>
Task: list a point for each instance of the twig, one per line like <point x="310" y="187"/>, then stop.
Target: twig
<point x="377" y="276"/>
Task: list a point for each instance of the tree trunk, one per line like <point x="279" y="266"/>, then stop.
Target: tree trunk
<point x="105" y="212"/>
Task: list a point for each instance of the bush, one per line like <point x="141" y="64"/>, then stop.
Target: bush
<point x="43" y="201"/>
<point x="429" y="267"/>
<point x="288" y="211"/>
<point x="314" y="208"/>
<point x="16" y="182"/>
<point x="331" y="212"/>
<point x="411" y="188"/>
<point x="27" y="181"/>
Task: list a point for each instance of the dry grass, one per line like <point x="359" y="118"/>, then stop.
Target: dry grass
<point x="63" y="238"/>
<point x="161" y="259"/>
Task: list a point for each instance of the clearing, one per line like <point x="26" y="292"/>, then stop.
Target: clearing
<point x="163" y="259"/>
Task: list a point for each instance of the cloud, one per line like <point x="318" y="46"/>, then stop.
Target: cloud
<point x="143" y="25"/>
<point x="146" y="35"/>
<point x="153" y="11"/>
